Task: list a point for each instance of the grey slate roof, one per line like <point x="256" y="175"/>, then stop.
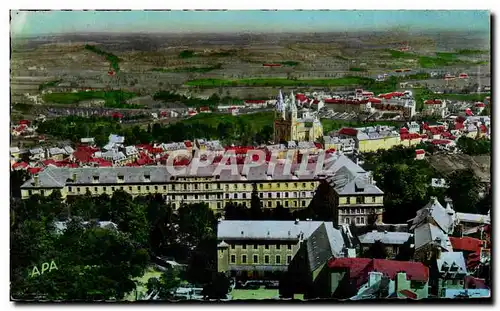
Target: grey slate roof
<point x="443" y="217"/>
<point x="449" y="259"/>
<point x="391" y="238"/>
<point x="428" y="233"/>
<point x="475" y="218"/>
<point x="58" y="176"/>
<point x="265" y="230"/>
<point x="324" y="243"/>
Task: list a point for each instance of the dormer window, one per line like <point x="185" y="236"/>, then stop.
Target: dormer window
<point x="95" y="178"/>
<point x="147" y="177"/>
<point x="121" y="178"/>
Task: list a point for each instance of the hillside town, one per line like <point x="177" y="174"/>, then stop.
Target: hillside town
<point x="317" y="164"/>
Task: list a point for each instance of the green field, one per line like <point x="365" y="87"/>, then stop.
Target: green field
<point x="261" y="293"/>
<point x="441" y="59"/>
<point x="357" y="69"/>
<point x="113" y="99"/>
<point x="346" y="81"/>
<point x="111" y="58"/>
<point x="258" y="120"/>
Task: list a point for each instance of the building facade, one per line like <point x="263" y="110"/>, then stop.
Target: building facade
<point x="288" y="126"/>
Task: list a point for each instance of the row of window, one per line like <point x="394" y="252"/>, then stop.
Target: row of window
<point x="351" y="211"/>
<point x="266" y="246"/>
<point x="360" y="200"/>
<point x="266" y="259"/>
<point x="356" y="220"/>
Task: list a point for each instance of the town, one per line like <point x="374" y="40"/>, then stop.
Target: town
<point x="377" y="190"/>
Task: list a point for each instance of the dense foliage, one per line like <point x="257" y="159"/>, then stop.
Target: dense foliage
<point x="473" y="147"/>
<point x="95" y="263"/>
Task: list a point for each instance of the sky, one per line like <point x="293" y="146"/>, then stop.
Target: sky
<point x="33" y="23"/>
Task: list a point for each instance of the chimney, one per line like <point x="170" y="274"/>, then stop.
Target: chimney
<point x="35" y="179"/>
<point x="297" y="221"/>
<point x="385" y="231"/>
<point x="74" y="177"/>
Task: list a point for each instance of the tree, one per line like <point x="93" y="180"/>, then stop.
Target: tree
<point x="167" y="284"/>
<point x="196" y="223"/>
<point x="463" y="189"/>
<point x="255" y="205"/>
<point x="281" y="213"/>
<point x="323" y="203"/>
<point x="218" y="287"/>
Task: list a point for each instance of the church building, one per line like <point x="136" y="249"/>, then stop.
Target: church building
<point x="288" y="126"/>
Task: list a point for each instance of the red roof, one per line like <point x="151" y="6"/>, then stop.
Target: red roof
<point x="420" y="151"/>
<point x="440" y="142"/>
<point x="403" y="130"/>
<point x="315" y="102"/>
<point x="460" y="119"/>
<point x="163" y="113"/>
<point x="348" y="131"/>
<point x="408" y="294"/>
<point x="188" y="144"/>
<point x="20" y="128"/>
<point x="301" y="97"/>
<point x="459" y="125"/>
<point x="359" y="268"/>
<point x="83" y="156"/>
<point x="468" y="112"/>
<point x="479" y="104"/>
<point x="472" y="282"/>
<point x="49" y="161"/>
<point x="466" y="244"/>
<point x="409" y="136"/>
<point x="483" y="128"/>
<point x="20" y="164"/>
<point x="117" y="115"/>
<point x="34" y="170"/>
<point x="255" y="101"/>
<point x="205" y="108"/>
<point x="432" y="102"/>
<point x="25" y="122"/>
<point x="374" y="100"/>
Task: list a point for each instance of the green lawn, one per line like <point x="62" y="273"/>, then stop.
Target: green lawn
<point x="240" y="294"/>
<point x="114" y="99"/>
<point x="258" y="120"/>
<point x="346" y="81"/>
<point x="142" y="282"/>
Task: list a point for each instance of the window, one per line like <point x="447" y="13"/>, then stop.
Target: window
<point x="69" y="189"/>
<point x="266" y="259"/>
<point x="255" y="246"/>
<point x="233" y="258"/>
<point x="218" y="205"/>
<point x="147" y="188"/>
<point x="289" y="246"/>
<point x="373" y="199"/>
<point x="156" y="188"/>
<point x="138" y="188"/>
<point x="185" y="187"/>
<point x="95" y="189"/>
<point x="269" y="195"/>
<point x="227" y="196"/>
<point x="286" y="194"/>
<point x="357" y="220"/>
<point x="255" y="259"/>
<point x="78" y="189"/>
<point x="164" y="187"/>
<point x="359" y="200"/>
<point x="185" y="197"/>
<point x="195" y="186"/>
<point x="303" y="203"/>
<point x="347" y="220"/>
<point x="295" y="203"/>
<point x="261" y="195"/>
<point x="244" y="246"/>
<point x="244" y="259"/>
<point x="268" y="203"/>
<point x="130" y="188"/>
<point x="295" y="185"/>
<point x="206" y="196"/>
<point x="206" y="186"/>
<point x="362" y="220"/>
<point x="266" y="246"/>
<point x="312" y="184"/>
<point x="196" y="197"/>
<point x="278" y="259"/>
<point x="278" y="185"/>
<point x="233" y="246"/>
<point x="261" y="186"/>
<point x="244" y="195"/>
<point x="278" y="246"/>
<point x="278" y="195"/>
<point x="286" y="203"/>
<point x="303" y="184"/>
<point x="288" y="259"/>
<point x="42" y="192"/>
